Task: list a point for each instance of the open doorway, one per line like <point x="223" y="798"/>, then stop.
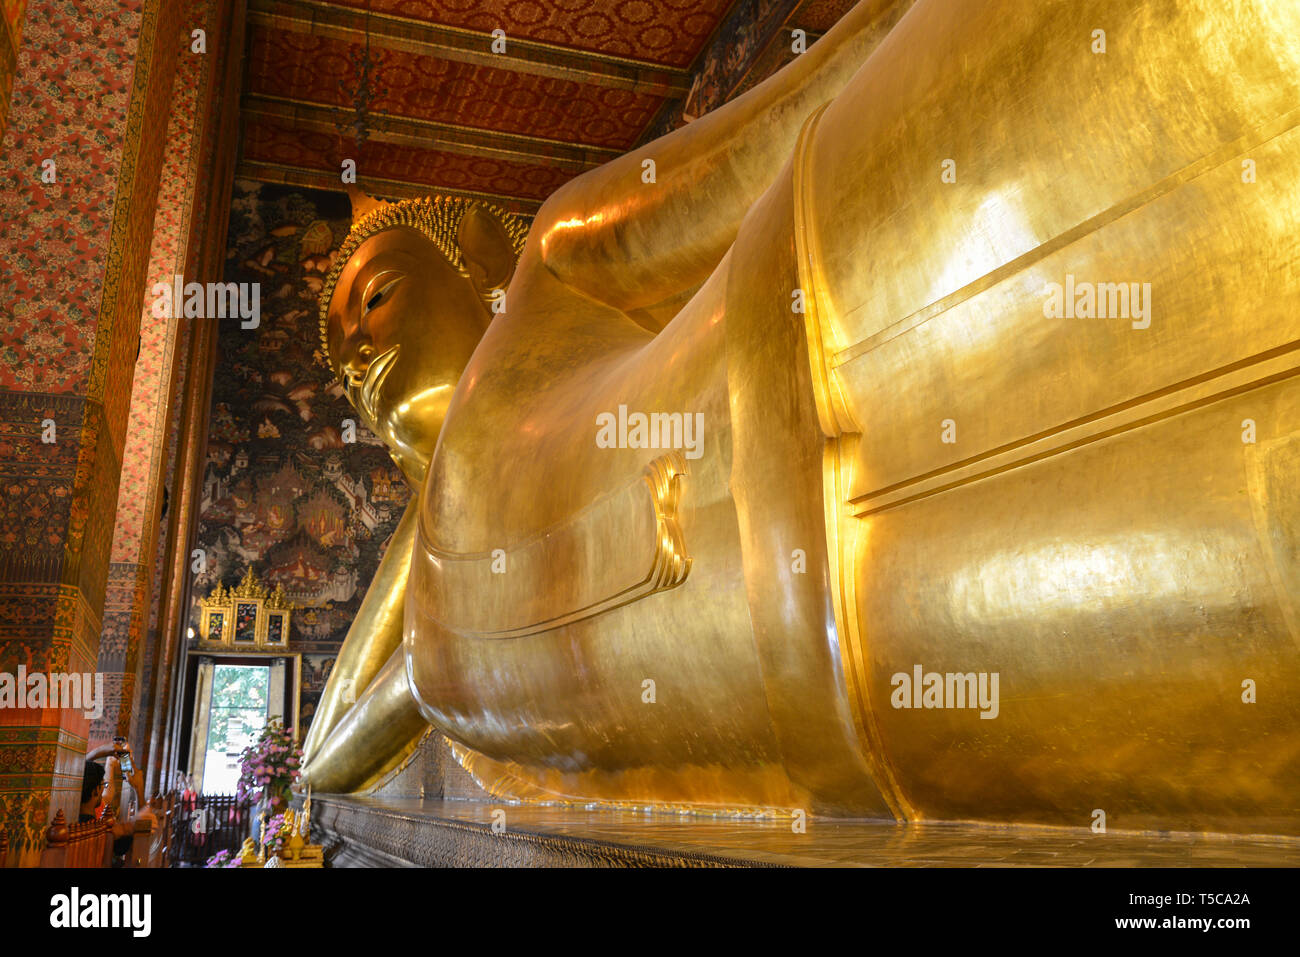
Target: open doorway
<point x="233" y="700"/>
<point x="236" y="716"/>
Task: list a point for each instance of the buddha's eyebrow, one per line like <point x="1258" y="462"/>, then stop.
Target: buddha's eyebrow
<point x="371" y="291"/>
<point x="377" y="264"/>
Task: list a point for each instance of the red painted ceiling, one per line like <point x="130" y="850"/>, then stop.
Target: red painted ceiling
<point x="669" y="32"/>
<point x="321" y="70"/>
<point x="581" y="81"/>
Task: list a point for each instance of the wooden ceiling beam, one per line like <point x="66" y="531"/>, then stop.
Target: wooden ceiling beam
<point x="263" y="172"/>
<point x="467" y="46"/>
<point x="428" y="134"/>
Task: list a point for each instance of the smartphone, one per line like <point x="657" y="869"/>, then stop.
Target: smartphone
<point x="124" y="757"/>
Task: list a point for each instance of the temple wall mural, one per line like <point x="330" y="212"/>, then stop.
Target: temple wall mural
<point x="284" y="491"/>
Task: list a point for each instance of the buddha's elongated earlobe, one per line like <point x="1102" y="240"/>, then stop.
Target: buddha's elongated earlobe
<point x="486" y="249"/>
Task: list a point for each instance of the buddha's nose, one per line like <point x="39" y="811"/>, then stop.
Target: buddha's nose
<point x="357" y="363"/>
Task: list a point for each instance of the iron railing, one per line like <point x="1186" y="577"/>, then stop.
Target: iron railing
<point x="206" y="824"/>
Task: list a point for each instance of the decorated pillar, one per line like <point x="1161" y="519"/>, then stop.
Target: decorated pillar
<point x="162" y="659"/>
<point x="79" y="173"/>
<point x="126" y="654"/>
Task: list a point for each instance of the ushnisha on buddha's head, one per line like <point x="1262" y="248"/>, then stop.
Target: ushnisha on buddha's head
<point x="404" y="306"/>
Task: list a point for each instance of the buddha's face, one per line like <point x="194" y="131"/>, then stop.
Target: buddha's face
<point x="403" y="323"/>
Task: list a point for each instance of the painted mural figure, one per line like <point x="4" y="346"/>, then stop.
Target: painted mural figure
<point x="909" y="472"/>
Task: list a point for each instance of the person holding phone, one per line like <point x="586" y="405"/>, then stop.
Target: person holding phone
<point x="102" y="785"/>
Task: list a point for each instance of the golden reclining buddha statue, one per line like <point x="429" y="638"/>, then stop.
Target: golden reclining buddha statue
<point x="914" y="437"/>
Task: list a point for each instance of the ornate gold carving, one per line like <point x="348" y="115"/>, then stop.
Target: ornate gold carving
<point x="249" y="616"/>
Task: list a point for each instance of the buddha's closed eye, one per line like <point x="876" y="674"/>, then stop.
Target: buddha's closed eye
<point x="379" y="289"/>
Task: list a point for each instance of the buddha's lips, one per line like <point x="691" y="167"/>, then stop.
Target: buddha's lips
<point x="375" y="375"/>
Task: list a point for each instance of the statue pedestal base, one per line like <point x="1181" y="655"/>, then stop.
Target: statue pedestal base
<point x="406" y="832"/>
<point x="431" y="813"/>
<point x="411" y="832"/>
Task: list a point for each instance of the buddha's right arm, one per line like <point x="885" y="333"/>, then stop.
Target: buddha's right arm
<point x="375" y="634"/>
<point x="631" y="244"/>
